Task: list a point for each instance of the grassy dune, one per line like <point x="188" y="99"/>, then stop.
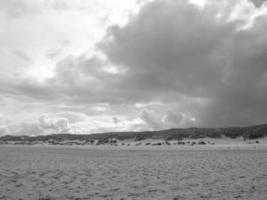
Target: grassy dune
<point x="247" y="133"/>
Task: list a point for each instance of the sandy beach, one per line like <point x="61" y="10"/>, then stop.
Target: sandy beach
<point x="200" y="172"/>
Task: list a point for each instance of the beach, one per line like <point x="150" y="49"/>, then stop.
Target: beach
<point x="106" y="172"/>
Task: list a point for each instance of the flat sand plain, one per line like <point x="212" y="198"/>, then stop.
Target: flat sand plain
<point x="48" y="172"/>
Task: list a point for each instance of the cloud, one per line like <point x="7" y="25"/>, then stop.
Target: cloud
<point x="176" y="119"/>
<point x="167" y="64"/>
<point x="35" y="35"/>
<point x="3" y="128"/>
<point x="46" y="124"/>
<point x="199" y="55"/>
<point x="57" y="124"/>
<point x="107" y="123"/>
<point x="166" y="119"/>
<point x="28" y="128"/>
<point x="2" y="131"/>
<point x="258" y="3"/>
<point x="72" y="117"/>
<point x="163" y="55"/>
<point x="153" y="121"/>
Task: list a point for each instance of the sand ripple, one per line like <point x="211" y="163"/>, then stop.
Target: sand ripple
<point x="43" y="173"/>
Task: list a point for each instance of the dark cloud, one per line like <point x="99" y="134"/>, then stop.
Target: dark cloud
<point x="165" y="55"/>
<point x="241" y="100"/>
<point x="173" y="47"/>
<point x="258" y="3"/>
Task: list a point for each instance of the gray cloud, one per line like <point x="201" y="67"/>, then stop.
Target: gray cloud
<point x="166" y="56"/>
<point x="3" y="128"/>
<point x="195" y="55"/>
<point x="152" y="119"/>
<point x="28" y="129"/>
<point x="18" y="8"/>
<point x="2" y="131"/>
<point x="258" y="3"/>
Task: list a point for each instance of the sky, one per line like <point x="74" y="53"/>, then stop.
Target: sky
<point x="97" y="66"/>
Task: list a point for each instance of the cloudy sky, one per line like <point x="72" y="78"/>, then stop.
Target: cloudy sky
<point x="130" y="65"/>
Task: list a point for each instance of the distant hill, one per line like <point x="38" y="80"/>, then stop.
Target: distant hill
<point x="250" y="132"/>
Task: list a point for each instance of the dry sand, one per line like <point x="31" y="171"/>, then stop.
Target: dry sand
<point x="213" y="172"/>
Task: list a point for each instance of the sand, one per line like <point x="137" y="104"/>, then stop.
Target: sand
<point x="210" y="172"/>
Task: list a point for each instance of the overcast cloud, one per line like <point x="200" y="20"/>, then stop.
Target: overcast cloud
<point x="86" y="67"/>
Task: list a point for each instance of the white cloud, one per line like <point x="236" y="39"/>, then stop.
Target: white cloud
<point x="57" y="124"/>
<point x="200" y="3"/>
<point x="36" y="34"/>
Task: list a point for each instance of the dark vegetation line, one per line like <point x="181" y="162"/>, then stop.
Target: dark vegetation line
<point x="250" y="132"/>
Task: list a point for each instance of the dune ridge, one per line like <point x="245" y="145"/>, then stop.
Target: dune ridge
<point x="247" y="133"/>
